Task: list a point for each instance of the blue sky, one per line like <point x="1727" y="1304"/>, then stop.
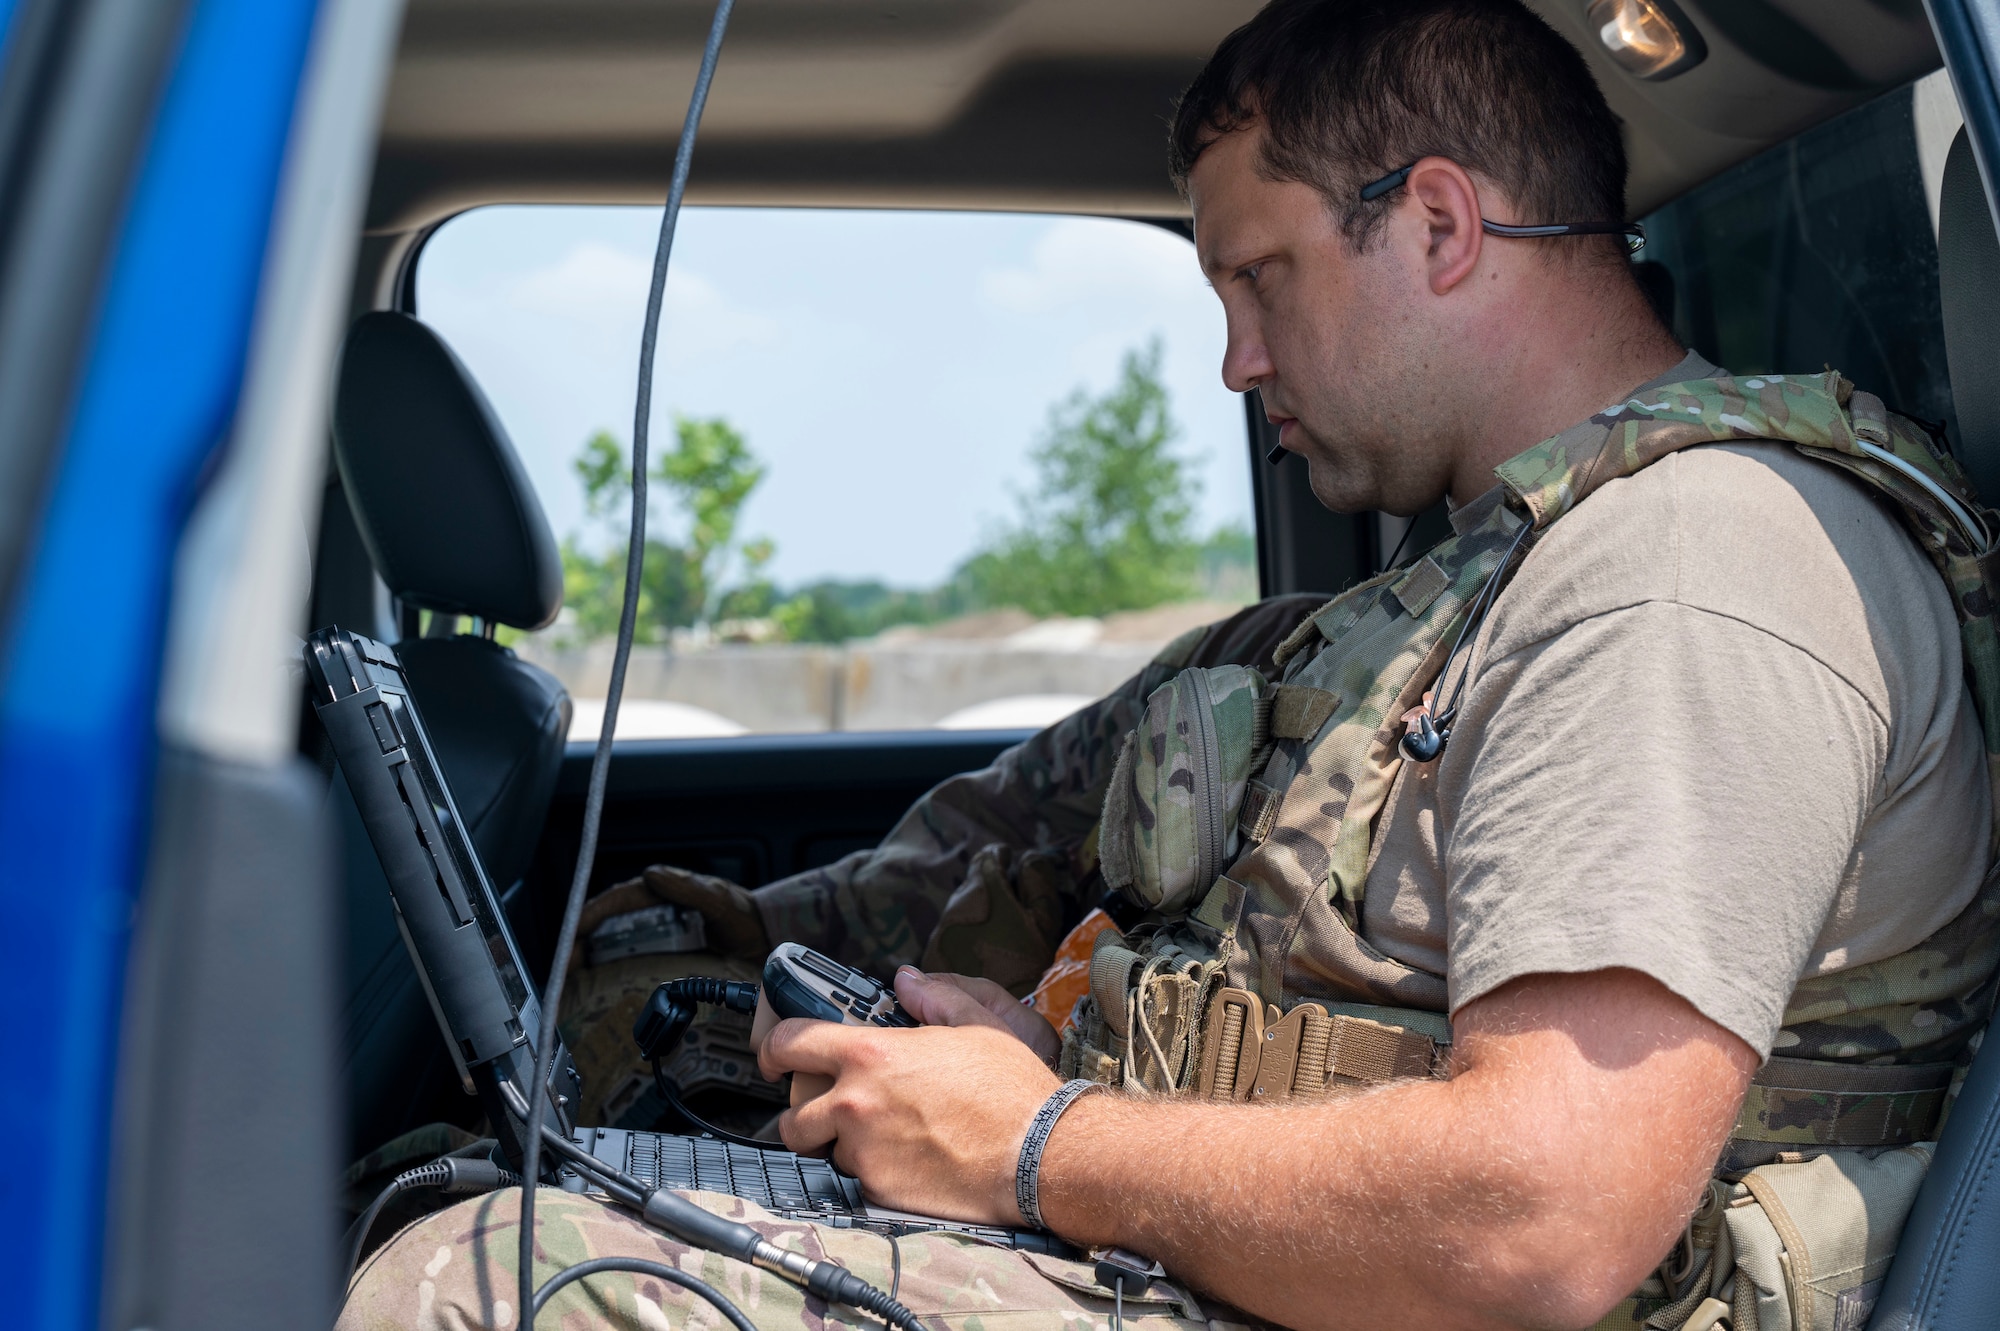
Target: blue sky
<point x="892" y="369"/>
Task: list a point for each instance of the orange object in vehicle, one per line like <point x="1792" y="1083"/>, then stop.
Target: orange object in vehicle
<point x="1068" y="977"/>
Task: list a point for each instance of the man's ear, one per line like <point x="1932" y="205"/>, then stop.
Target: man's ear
<point x="1446" y="202"/>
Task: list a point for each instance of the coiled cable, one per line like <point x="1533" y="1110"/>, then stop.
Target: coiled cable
<point x="664" y="1021"/>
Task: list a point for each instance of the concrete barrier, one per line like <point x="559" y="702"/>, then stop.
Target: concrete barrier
<point x="993" y="668"/>
<point x="860" y="686"/>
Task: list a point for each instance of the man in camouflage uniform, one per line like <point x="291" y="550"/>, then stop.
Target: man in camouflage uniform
<point x="983" y="876"/>
<point x="1717" y="787"/>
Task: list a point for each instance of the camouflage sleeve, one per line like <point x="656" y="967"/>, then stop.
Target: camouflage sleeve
<point x="875" y="909"/>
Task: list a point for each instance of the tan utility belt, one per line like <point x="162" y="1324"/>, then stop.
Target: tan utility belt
<point x="1252" y="1052"/>
<point x="1177" y="1028"/>
<point x="1249" y="1051"/>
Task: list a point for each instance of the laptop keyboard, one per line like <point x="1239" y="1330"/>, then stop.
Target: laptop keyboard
<point x="794" y="1186"/>
<point x="778" y="1181"/>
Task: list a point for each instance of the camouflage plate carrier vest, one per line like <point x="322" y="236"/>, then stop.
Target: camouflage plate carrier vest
<point x="1240" y="815"/>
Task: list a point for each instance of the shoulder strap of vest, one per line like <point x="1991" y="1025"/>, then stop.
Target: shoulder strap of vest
<point x="1821" y="414"/>
<point x="1824" y="417"/>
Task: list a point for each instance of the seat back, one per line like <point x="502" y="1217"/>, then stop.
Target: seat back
<point x="1946" y="1276"/>
<point x="452" y="525"/>
<point x="1969" y="291"/>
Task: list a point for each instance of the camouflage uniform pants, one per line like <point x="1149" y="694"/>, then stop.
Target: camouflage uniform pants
<point x="456" y="1271"/>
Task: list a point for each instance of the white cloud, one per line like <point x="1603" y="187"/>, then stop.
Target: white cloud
<point x="1081" y="262"/>
<point x="599" y="291"/>
<point x="585" y="282"/>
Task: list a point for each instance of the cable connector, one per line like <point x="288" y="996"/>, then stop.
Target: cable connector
<point x="837" y="1284"/>
<point x="834" y="1283"/>
<point x="664" y="1021"/>
<point x="452" y="1175"/>
<point x="667" y="1014"/>
<point x="469" y="1177"/>
<point x="1119" y="1270"/>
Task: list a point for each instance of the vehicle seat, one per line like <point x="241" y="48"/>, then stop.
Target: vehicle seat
<point x="452" y="525"/>
<point x="1946" y="1275"/>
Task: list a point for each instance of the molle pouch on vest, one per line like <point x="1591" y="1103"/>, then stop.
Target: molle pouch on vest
<point x="1169" y="1007"/>
<point x="1801" y="1245"/>
<point x="1169" y="826"/>
<point x="1140" y="1026"/>
<point x="1811" y="1242"/>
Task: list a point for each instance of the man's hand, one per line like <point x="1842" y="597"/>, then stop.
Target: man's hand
<point x="930" y="1120"/>
<point x="940" y="999"/>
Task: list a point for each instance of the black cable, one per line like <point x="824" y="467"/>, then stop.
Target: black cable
<point x="357" y="1234"/>
<point x="671" y="1094"/>
<point x="664" y="1021"/>
<point x="1429" y="731"/>
<point x="1409" y="526"/>
<point x="666" y="1210"/>
<point x="1481" y="603"/>
<point x="639" y="1266"/>
<point x="659" y="1207"/>
<point x="635" y="557"/>
<point x="458" y="1176"/>
<point x="617" y="1184"/>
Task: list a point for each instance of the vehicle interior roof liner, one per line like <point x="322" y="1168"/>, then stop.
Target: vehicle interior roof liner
<point x="1033" y="105"/>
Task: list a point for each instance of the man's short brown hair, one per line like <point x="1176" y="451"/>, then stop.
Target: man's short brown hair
<point x="1350" y="90"/>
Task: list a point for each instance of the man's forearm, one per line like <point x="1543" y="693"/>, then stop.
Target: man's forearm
<point x="1374" y="1211"/>
<point x="1536" y="1188"/>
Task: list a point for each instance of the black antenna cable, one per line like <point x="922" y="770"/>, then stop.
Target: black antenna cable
<point x="635" y="555"/>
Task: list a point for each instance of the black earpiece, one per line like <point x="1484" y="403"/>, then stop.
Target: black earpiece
<point x="1425" y="737"/>
<point x="1424" y="741"/>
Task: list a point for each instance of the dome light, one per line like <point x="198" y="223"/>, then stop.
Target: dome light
<point x="1651" y="39"/>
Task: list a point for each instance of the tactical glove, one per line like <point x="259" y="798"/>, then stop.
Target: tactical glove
<point x="729" y="913"/>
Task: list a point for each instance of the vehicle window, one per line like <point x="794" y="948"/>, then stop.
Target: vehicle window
<point x="909" y="469"/>
<point x="1822" y="252"/>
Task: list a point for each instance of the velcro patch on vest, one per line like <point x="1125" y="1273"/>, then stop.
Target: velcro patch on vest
<point x="1260" y="812"/>
<point x="1424" y="583"/>
<point x="1298" y="712"/>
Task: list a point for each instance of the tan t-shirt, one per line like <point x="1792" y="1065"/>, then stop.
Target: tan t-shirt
<point x="1716" y="730"/>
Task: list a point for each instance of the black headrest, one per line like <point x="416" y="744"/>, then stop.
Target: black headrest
<point x="1969" y="283"/>
<point x="442" y="502"/>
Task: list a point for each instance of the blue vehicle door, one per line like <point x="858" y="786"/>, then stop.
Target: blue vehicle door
<point x="181" y="185"/>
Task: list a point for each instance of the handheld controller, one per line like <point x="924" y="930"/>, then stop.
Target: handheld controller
<point x="799" y="982"/>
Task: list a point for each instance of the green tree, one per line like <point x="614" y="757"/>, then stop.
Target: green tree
<point x="708" y="476"/>
<point x="835" y="611"/>
<point x="1107" y="526"/>
<point x="712" y="472"/>
<point x="1227" y="564"/>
